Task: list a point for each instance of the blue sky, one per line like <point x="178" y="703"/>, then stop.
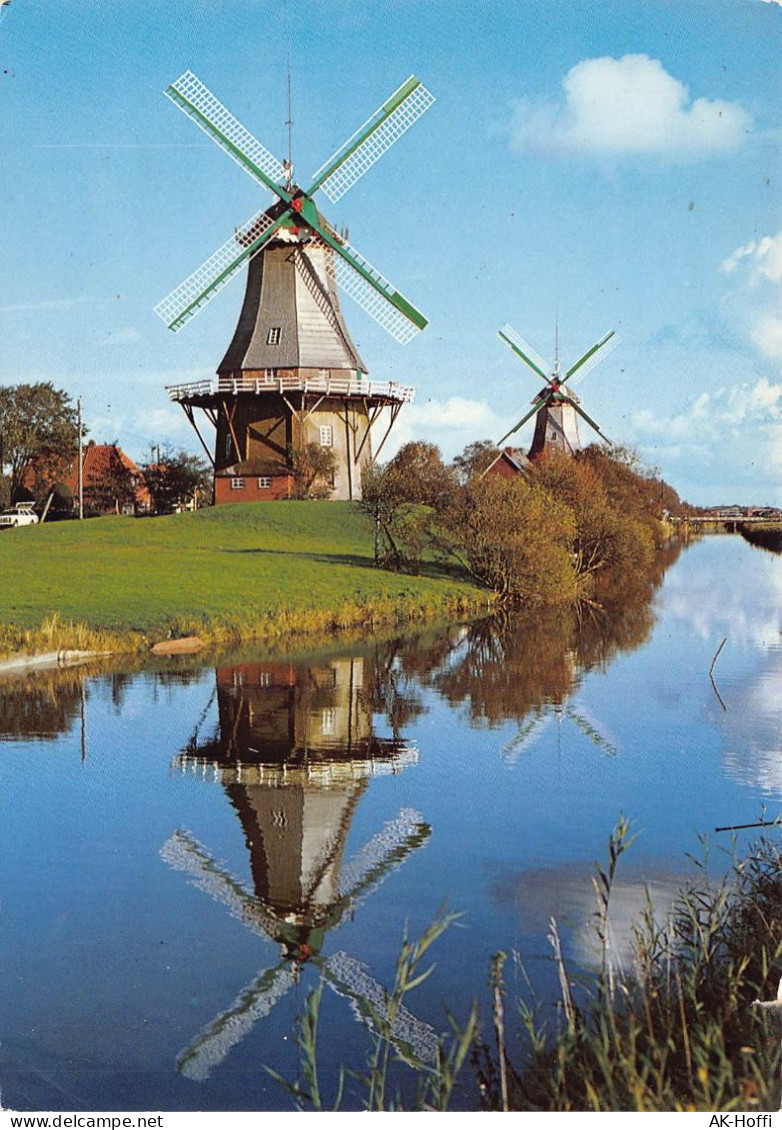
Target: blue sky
<point x="612" y="165"/>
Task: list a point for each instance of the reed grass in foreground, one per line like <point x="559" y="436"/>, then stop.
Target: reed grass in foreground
<point x="680" y="1032"/>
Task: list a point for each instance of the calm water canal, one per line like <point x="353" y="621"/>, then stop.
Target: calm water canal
<point x="187" y="851"/>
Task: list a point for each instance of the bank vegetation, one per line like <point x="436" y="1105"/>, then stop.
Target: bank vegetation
<point x="540" y="537"/>
<point x="692" y="1024"/>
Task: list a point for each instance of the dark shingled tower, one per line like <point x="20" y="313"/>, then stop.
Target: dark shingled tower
<point x="290" y="377"/>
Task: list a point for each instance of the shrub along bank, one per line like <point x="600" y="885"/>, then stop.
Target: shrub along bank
<point x="541" y="537"/>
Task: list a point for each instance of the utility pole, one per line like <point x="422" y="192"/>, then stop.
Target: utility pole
<point x="81" y="467"/>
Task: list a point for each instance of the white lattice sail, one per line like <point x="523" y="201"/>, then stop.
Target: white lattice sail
<point x="355" y="157"/>
<point x="211" y="1046"/>
<point x="390" y="845"/>
<point x="210" y="115"/>
<point x="184" y="853"/>
<point x="199" y="288"/>
<point x="413" y="1038"/>
<point x="369" y="298"/>
<point x="513" y="338"/>
<point x="607" y="345"/>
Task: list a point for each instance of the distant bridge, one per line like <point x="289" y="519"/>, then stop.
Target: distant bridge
<point x="729" y="521"/>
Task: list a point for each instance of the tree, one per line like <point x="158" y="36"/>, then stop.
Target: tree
<point x="515" y="538"/>
<point x="606" y="534"/>
<point x="110" y="486"/>
<point x="401" y="498"/>
<point x="475" y="459"/>
<point x="313" y="470"/>
<point x="175" y="479"/>
<point x="38" y="435"/>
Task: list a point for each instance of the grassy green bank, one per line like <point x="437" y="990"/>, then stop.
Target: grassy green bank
<point x="230" y="573"/>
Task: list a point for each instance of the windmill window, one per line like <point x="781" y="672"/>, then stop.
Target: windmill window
<point x="274" y="335"/>
<point x="237" y="484"/>
<point x="328" y="720"/>
<point x="326" y="435"/>
<point x="264" y="482"/>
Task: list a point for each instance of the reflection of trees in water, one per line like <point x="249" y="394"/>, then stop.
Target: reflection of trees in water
<point x="114" y="686"/>
<point x="43" y="706"/>
<point x="508" y="666"/>
<point x="399" y="668"/>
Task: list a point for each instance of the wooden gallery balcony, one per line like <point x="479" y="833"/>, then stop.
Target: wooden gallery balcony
<point x="272" y="380"/>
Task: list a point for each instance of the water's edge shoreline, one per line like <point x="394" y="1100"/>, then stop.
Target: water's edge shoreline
<point x="57" y="643"/>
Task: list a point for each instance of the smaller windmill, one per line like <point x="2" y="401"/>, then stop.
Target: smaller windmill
<point x="556" y="407"/>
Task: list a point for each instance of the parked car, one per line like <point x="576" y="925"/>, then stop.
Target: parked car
<point x="20" y="515"/>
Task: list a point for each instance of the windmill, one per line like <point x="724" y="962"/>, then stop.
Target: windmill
<point x="532" y="729"/>
<point x="294" y="751"/>
<point x="292" y="375"/>
<point x="555" y="406"/>
<point x="300" y="936"/>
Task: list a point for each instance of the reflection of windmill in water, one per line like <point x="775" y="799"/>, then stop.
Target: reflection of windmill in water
<point x="294" y="751"/>
<point x="561" y="711"/>
<point x="556" y="407"/>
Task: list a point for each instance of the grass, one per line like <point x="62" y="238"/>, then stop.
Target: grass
<point x="681" y="1031"/>
<point x="374" y="1085"/>
<point x="228" y="573"/>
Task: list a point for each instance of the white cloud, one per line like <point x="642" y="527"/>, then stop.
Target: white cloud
<point x="451" y="424"/>
<point x="758" y="266"/>
<point x="723" y="438"/>
<point x="765" y="256"/>
<point x="711" y="413"/>
<point x="628" y="107"/>
<point x="766" y="335"/>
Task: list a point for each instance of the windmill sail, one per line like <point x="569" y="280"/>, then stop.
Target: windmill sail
<point x="211" y="1046"/>
<point x="593" y="357"/>
<point x="415" y="1040"/>
<point x="362" y="282"/>
<point x="354" y="274"/>
<point x="373" y="139"/>
<point x="190" y="95"/>
<point x="183" y="853"/>
<point x="386" y="850"/>
<point x="525" y="351"/>
<point x="199" y="288"/>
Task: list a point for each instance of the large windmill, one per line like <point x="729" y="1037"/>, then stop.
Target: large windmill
<point x="557" y="408"/>
<point x="292" y="375"/>
<point x="300" y="935"/>
<point x="294" y="751"/>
